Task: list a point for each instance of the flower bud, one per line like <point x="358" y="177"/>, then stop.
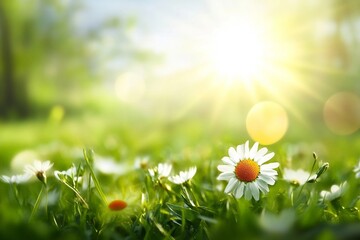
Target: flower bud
<point x="322" y="169"/>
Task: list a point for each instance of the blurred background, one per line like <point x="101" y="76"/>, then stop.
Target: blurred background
<point x="139" y="76"/>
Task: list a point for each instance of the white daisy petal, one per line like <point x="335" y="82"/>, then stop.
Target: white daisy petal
<point x="17" y="179"/>
<point x="225" y="168"/>
<point x="334" y="193"/>
<point x="39" y="169"/>
<point x="299" y="176"/>
<point x="269" y="180"/>
<point x="260" y="153"/>
<point x="270" y="165"/>
<point x="266" y="158"/>
<point x="246" y="151"/>
<point x="239" y="192"/>
<point x="241" y="150"/>
<point x="254" y="190"/>
<point x="37" y="164"/>
<point x="262" y="186"/>
<point x="253" y="150"/>
<point x="162" y="170"/>
<point x="5" y="178"/>
<point x="230" y="185"/>
<point x="225" y="176"/>
<point x="248" y="194"/>
<point x="237" y="185"/>
<point x="233" y="154"/>
<point x="227" y="160"/>
<point x="184" y="176"/>
<point x="269" y="172"/>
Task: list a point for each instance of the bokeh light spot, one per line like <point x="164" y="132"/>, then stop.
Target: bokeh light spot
<point x="342" y="113"/>
<point x="267" y="122"/>
<point x="56" y="114"/>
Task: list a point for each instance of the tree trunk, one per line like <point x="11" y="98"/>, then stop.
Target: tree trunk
<point x="8" y="78"/>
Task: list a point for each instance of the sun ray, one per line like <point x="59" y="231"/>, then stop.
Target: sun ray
<point x="236" y="57"/>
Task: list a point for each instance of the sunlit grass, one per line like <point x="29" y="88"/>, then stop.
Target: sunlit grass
<point x="158" y="208"/>
<point x="147" y="205"/>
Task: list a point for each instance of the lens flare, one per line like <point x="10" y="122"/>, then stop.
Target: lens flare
<point x="267" y="122"/>
<point x="342" y="113"/>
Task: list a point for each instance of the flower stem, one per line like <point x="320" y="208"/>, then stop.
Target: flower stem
<point x="311" y="171"/>
<point x="77" y="193"/>
<point x="37" y="203"/>
<point x="16" y="193"/>
<point x="89" y="157"/>
<point x="291" y="191"/>
<point x="188" y="196"/>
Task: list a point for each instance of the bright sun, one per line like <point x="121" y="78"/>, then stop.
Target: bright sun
<point x="237" y="52"/>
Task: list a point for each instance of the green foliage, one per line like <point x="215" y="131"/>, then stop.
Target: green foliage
<point x="73" y="206"/>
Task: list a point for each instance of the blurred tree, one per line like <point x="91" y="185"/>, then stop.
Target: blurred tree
<point x="346" y="16"/>
<point x="42" y="55"/>
<point x="11" y="96"/>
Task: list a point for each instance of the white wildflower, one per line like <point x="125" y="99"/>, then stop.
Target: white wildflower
<point x="162" y="170"/>
<point x="297" y="177"/>
<point x="17" y="179"/>
<point x="183" y="176"/>
<point x="334" y="193"/>
<point x="246" y="172"/>
<point x="39" y="169"/>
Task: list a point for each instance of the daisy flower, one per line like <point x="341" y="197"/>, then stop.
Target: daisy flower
<point x="141" y="162"/>
<point x="162" y="170"/>
<point x="183" y="176"/>
<point x="246" y="172"/>
<point x="357" y="170"/>
<point x="334" y="193"/>
<point x="297" y="177"/>
<point x="71" y="172"/>
<point x="39" y="169"/>
<point x="20" y="178"/>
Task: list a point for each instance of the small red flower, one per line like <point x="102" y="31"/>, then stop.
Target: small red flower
<point x="117" y="205"/>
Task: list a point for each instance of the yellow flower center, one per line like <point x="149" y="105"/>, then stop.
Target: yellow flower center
<point x="247" y="170"/>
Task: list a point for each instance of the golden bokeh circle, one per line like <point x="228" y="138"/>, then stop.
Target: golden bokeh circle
<point x="267" y="122"/>
<point x="342" y="113"/>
